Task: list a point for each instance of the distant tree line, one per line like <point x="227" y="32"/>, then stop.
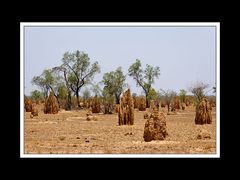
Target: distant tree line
<point x="76" y="71"/>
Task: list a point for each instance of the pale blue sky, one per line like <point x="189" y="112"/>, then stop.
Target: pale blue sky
<point x="184" y="54"/>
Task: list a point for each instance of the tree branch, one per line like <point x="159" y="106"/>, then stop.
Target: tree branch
<point x="138" y="81"/>
<point x="73" y="71"/>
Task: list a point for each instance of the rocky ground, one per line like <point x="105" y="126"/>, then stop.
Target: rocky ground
<point x="68" y="132"/>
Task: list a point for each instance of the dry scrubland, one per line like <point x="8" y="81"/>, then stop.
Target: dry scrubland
<point x="68" y="132"/>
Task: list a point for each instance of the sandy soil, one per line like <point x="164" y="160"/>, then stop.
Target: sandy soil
<point x="70" y="133"/>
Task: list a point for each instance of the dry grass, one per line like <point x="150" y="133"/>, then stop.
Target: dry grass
<point x="45" y="134"/>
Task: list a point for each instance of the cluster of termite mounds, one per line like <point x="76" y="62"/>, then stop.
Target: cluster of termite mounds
<point x="177" y="104"/>
<point x="203" y="112"/>
<point x="155" y="125"/>
<point x="126" y="109"/>
<point x="98" y="106"/>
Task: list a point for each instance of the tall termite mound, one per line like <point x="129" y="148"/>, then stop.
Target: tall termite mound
<point x="96" y="105"/>
<point x="135" y="102"/>
<point x="28" y="104"/>
<point x="177" y="103"/>
<point x="142" y="104"/>
<point x="51" y="105"/>
<point x="34" y="111"/>
<point x="126" y="109"/>
<point x="203" y="112"/>
<point x="155" y="127"/>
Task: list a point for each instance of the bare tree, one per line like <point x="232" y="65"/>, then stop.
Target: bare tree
<point x="168" y="96"/>
<point x="198" y="90"/>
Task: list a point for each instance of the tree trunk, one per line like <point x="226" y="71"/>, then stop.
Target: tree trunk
<point x="57" y="100"/>
<point x="147" y="103"/>
<point x="45" y="95"/>
<point x="78" y="101"/>
<point x="168" y="107"/>
<point x="117" y="99"/>
<point x="68" y="105"/>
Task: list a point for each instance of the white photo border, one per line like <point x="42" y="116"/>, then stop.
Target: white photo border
<point x="120" y="24"/>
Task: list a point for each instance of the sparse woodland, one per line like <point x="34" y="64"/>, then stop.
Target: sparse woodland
<point x="61" y="90"/>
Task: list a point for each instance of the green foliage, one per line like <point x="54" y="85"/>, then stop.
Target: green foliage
<point x="72" y="78"/>
<point x="150" y="74"/>
<point x="108" y="101"/>
<point x="62" y="92"/>
<point x="37" y="96"/>
<point x="114" y="83"/>
<point x="153" y="95"/>
<point x="49" y="78"/>
<point x="144" y="77"/>
<point x="78" y="71"/>
<point x="107" y="97"/>
<point x="182" y="95"/>
<point x="136" y="72"/>
<point x="45" y="81"/>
